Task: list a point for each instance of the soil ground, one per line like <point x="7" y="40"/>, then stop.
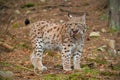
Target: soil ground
<point x="98" y="61"/>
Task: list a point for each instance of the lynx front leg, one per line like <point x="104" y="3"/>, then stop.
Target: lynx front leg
<point x="66" y="58"/>
<point x="36" y="57"/>
<point x="77" y="55"/>
<point x="76" y="60"/>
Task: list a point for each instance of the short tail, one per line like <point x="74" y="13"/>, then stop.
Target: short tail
<point x="27" y="21"/>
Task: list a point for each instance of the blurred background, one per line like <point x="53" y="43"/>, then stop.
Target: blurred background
<point x="101" y="56"/>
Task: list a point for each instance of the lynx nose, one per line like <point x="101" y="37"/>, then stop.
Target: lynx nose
<point x="75" y="31"/>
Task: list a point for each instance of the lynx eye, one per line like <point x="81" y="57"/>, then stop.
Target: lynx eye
<point x="76" y="23"/>
<point x="69" y="25"/>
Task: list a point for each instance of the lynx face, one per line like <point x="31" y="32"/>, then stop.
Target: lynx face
<point x="76" y="26"/>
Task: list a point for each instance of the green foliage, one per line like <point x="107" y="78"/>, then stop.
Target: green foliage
<point x="28" y="5"/>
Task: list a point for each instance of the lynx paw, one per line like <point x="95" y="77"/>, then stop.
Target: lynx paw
<point x="43" y="68"/>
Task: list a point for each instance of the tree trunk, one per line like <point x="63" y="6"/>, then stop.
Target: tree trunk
<point x="114" y="14"/>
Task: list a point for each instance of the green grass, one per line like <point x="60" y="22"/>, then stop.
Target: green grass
<point x="81" y="75"/>
<point x="53" y="77"/>
<point x="75" y="76"/>
<point x="93" y="72"/>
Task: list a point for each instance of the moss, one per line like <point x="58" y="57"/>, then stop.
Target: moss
<point x="28" y="5"/>
<point x="15" y="25"/>
<point x="113" y="30"/>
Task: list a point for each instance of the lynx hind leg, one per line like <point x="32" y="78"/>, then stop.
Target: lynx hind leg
<point x="37" y="63"/>
<point x="33" y="60"/>
<point x="36" y="57"/>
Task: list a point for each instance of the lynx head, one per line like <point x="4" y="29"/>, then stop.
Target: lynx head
<point x="76" y="26"/>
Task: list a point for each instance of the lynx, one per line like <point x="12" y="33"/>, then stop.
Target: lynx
<point x="67" y="37"/>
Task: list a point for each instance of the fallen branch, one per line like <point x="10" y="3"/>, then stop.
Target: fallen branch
<point x="5" y="45"/>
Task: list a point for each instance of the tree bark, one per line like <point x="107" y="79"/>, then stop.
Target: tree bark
<point x="114" y="14"/>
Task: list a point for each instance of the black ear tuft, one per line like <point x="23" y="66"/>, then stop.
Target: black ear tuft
<point x="27" y="21"/>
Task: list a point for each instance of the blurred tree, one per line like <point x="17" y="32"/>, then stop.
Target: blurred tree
<point x="114" y="14"/>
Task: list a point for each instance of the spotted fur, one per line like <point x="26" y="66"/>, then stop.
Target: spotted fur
<point x="67" y="37"/>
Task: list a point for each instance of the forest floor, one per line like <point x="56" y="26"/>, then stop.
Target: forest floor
<point x="99" y="61"/>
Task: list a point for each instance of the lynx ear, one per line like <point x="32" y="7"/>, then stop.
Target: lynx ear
<point x="83" y="18"/>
